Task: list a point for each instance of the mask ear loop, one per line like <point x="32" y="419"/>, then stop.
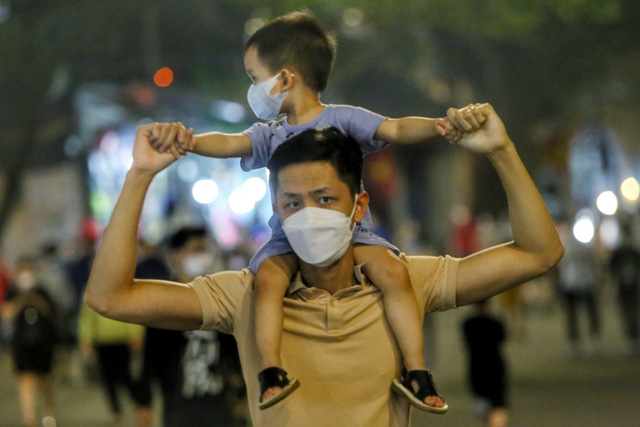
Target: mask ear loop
<point x="353" y="212"/>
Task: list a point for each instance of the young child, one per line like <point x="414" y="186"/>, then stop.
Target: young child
<point x="289" y="61"/>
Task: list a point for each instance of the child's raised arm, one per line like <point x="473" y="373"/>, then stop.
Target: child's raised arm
<point x="212" y="144"/>
<point x="407" y="130"/>
<point x="219" y="145"/>
<point x="412" y="130"/>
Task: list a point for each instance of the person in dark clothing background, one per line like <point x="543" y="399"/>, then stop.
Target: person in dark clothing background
<point x="199" y="371"/>
<point x="484" y="335"/>
<point x="34" y="326"/>
<point x="625" y="269"/>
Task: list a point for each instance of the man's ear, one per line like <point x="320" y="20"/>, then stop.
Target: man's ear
<point x="275" y="208"/>
<point x="287" y="79"/>
<point x="362" y="203"/>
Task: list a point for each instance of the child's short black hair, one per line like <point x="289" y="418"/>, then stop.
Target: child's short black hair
<point x="320" y="145"/>
<point x="297" y="40"/>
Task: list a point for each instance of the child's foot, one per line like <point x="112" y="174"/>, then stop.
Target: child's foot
<point x="419" y="389"/>
<point x="275" y="386"/>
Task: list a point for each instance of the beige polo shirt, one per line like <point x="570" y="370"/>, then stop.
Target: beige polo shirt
<point x="339" y="346"/>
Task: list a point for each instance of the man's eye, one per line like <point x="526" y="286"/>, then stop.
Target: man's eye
<point x="291" y="205"/>
<point x="324" y="200"/>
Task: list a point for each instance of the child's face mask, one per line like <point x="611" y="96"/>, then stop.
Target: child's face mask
<point x="263" y="104"/>
<point x="319" y="236"/>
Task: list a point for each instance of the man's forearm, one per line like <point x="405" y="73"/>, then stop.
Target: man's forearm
<point x="114" y="265"/>
<point x="532" y="226"/>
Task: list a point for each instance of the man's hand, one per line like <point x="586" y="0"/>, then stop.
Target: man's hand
<point x="145" y="157"/>
<point x="476" y="127"/>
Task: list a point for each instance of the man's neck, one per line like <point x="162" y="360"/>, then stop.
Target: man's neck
<point x="304" y="106"/>
<point x="333" y="278"/>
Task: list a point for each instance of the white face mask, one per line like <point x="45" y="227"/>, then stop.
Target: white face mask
<point x="319" y="236"/>
<point x="263" y="104"/>
<point x="198" y="265"/>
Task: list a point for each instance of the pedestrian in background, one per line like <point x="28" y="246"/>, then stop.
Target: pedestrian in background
<point x="113" y="343"/>
<point x="484" y="335"/>
<point x="577" y="285"/>
<point x="31" y="314"/>
<point x="625" y="269"/>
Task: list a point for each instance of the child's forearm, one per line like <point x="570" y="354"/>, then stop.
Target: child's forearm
<point x="220" y="145"/>
<point x="407" y="130"/>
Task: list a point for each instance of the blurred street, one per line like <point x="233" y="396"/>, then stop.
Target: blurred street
<point x="548" y="387"/>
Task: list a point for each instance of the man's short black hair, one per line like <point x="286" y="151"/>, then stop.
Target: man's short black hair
<point x="180" y="238"/>
<point x="296" y="40"/>
<point x="320" y="145"/>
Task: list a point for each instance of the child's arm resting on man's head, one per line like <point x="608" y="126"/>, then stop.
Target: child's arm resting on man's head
<point x="407" y="130"/>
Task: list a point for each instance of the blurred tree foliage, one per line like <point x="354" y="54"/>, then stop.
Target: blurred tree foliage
<point x="536" y="60"/>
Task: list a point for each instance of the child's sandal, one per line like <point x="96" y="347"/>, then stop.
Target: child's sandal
<point x="426" y="387"/>
<point x="275" y="377"/>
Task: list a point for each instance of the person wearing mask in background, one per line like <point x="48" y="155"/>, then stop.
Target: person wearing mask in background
<point x="199" y="371"/>
<point x="625" y="269"/>
<point x="31" y="314"/>
<point x="113" y="343"/>
<point x="483" y="336"/>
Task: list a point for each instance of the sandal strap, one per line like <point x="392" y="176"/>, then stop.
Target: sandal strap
<point x="424" y="379"/>
<point x="272" y="377"/>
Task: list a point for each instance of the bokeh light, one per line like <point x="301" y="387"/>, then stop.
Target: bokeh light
<point x="609" y="232"/>
<point x="163" y="77"/>
<point x="607" y="203"/>
<point x="253" y="25"/>
<point x="240" y="203"/>
<point x="352" y="17"/>
<point x="630" y="189"/>
<point x="205" y="191"/>
<point x="583" y="229"/>
<point x="187" y="169"/>
<point x="255" y="188"/>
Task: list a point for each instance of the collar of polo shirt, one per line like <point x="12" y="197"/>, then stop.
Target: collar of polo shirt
<point x="297" y="284"/>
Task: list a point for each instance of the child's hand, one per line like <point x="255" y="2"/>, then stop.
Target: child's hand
<point x="168" y="137"/>
<point x="186" y="142"/>
<point x="460" y="122"/>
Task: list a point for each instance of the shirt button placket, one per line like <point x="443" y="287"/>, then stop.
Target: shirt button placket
<point x="334" y="322"/>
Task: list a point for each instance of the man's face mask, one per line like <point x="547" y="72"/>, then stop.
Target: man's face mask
<point x="263" y="104"/>
<point x="319" y="236"/>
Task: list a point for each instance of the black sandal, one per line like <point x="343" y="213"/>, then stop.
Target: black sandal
<point x="275" y="377"/>
<point x="426" y="388"/>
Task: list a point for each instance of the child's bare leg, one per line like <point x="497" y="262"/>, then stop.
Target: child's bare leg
<point x="272" y="280"/>
<point x="389" y="274"/>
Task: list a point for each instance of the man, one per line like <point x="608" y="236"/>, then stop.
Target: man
<point x="335" y="334"/>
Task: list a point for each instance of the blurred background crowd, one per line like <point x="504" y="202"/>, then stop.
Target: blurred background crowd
<point x="77" y="78"/>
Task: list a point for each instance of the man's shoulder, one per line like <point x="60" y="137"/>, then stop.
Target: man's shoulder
<point x="231" y="283"/>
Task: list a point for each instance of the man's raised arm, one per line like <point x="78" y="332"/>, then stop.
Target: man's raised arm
<point x="112" y="290"/>
<point x="536" y="247"/>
